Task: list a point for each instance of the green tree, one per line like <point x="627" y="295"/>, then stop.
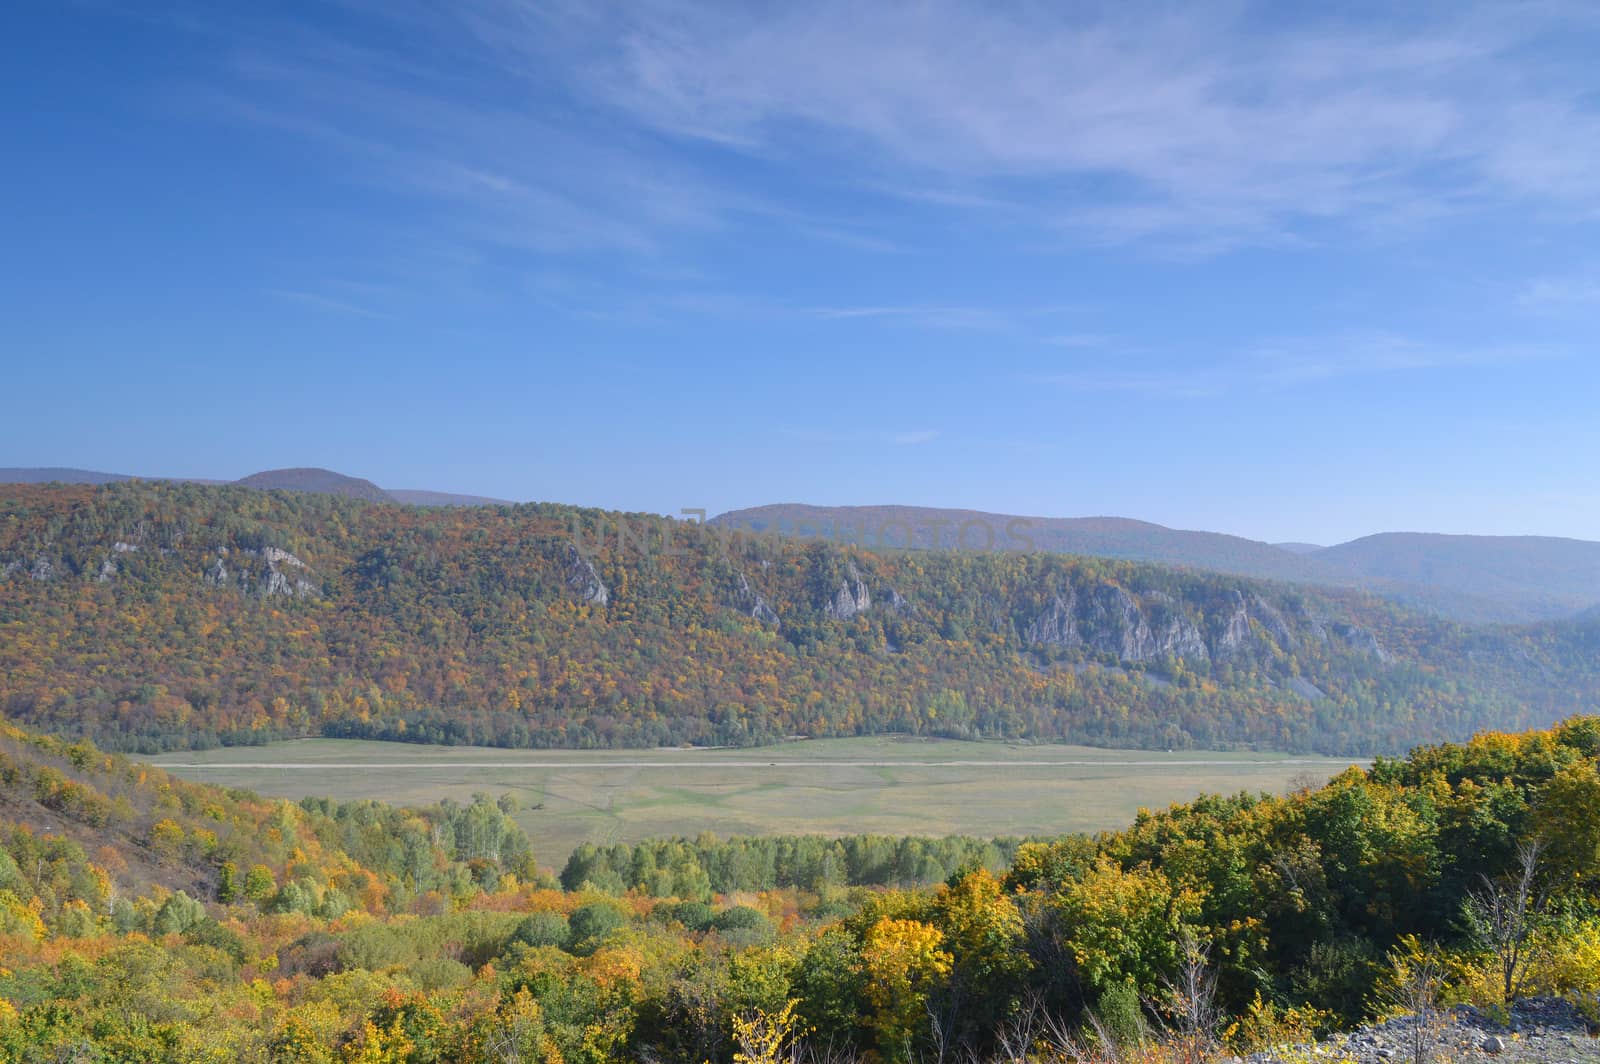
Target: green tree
<point x="591" y="923"/>
<point x="1124" y="925"/>
<point x="228" y="886"/>
<point x="259" y="884"/>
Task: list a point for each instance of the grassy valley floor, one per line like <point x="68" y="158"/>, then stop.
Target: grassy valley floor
<point x="884" y="785"/>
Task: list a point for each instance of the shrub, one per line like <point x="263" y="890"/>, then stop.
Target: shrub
<point x="545" y="928"/>
<point x="693" y="915"/>
<point x="592" y="923"/>
<point x="177" y="914"/>
<point x="1121" y="1019"/>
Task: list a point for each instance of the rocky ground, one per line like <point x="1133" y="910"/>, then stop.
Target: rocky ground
<point x="1541" y="1031"/>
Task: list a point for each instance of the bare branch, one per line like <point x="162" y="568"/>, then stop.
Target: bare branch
<point x="1505" y="913"/>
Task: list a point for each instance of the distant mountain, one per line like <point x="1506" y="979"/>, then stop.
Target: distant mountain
<point x="1467" y="578"/>
<point x="443" y="498"/>
<point x="64" y="475"/>
<point x="925" y="527"/>
<point x="58" y="475"/>
<point x="317" y="482"/>
<point x="1547" y="576"/>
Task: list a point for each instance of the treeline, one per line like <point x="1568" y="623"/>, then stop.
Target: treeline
<point x="697" y="869"/>
<point x="148" y="617"/>
<point x="1304" y="913"/>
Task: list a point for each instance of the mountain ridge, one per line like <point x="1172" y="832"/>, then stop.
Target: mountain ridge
<point x="1495" y="579"/>
<point x="313" y="479"/>
<point x="1474" y="579"/>
<point x="157" y="616"/>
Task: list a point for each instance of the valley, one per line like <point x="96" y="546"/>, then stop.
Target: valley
<point x="880" y="785"/>
<point x="711" y="533"/>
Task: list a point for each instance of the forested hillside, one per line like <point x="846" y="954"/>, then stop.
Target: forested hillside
<point x="347" y="933"/>
<point x="88" y="838"/>
<point x="155" y="616"/>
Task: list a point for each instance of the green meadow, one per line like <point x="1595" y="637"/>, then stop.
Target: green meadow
<point x="887" y="785"/>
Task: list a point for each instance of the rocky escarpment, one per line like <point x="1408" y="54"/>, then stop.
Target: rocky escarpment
<point x="850" y="597"/>
<point x="1112" y="622"/>
<point x="1057" y="624"/>
<point x="267" y="571"/>
<point x="264" y="571"/>
<point x="583" y="579"/>
<point x="896" y="603"/>
<point x="1361" y="640"/>
<point x="1152" y="625"/>
<point x="39" y="568"/>
<point x="1245" y="624"/>
<point x="1172" y="632"/>
<point x="108" y="565"/>
<point x="853" y="594"/>
<point x="750" y="602"/>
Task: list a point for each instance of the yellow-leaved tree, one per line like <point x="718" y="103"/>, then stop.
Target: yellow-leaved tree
<point x="903" y="961"/>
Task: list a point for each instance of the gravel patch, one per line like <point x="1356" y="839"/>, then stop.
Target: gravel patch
<point x="1541" y="1031"/>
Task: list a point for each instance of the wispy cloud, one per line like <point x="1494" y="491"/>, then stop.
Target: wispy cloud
<point x="455" y="137"/>
<point x="938" y="317"/>
<point x="1165" y="383"/>
<point x="1020" y="319"/>
<point x="321" y="302"/>
<point x="1562" y="293"/>
<point x="1308" y="361"/>
<point x="1078" y="340"/>
<point x="859" y="437"/>
<point x="571" y="128"/>
<point x="1287" y="365"/>
<point x="1123" y="120"/>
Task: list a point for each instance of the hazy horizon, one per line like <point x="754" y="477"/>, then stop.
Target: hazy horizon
<point x="697" y="511"/>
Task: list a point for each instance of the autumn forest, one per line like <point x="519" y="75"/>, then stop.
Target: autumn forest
<point x="148" y="617"/>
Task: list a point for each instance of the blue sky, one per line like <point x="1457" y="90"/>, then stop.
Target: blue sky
<point x="1250" y="268"/>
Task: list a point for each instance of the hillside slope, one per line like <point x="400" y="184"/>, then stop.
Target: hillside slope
<point x="81" y="827"/>
<point x="376" y="934"/>
<point x="156" y="616"/>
